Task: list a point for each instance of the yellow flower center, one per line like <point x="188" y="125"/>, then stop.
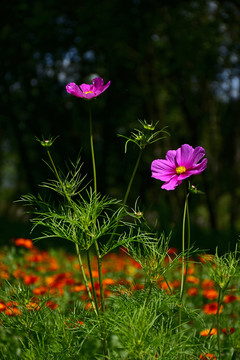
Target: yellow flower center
<point x="88" y="92"/>
<point x="180" y="170"/>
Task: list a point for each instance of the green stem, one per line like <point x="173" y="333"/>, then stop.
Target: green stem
<point x="183" y="276"/>
<point x="188" y="244"/>
<point x="92" y="151"/>
<point x="57" y="175"/>
<point x="128" y="189"/>
<point x="132" y="177"/>
<point x="218" y="323"/>
<point x="99" y="258"/>
<point x="85" y="279"/>
<point x="91" y="279"/>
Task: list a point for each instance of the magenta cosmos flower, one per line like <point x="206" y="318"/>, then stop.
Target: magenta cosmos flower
<point x="178" y="165"/>
<point x="88" y="91"/>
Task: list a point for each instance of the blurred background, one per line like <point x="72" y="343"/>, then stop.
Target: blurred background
<point x="176" y="62"/>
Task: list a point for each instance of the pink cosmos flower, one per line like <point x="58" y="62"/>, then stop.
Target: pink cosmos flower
<point x="88" y="91"/>
<point x="178" y="165"/>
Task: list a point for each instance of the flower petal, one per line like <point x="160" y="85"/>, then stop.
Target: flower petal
<point x="88" y="91"/>
<point x="184" y="175"/>
<point x="162" y="169"/>
<point x="197" y="169"/>
<point x="100" y="89"/>
<point x="184" y="156"/>
<point x="74" y="89"/>
<point x="187" y="157"/>
<point x="86" y="87"/>
<point x="198" y="154"/>
<point x="171" y="157"/>
<point x="172" y="183"/>
<point x="97" y="82"/>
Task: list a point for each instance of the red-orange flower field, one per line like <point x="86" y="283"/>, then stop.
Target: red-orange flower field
<point x="42" y="290"/>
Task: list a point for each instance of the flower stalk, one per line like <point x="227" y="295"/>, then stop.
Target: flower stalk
<point x="99" y="258"/>
<point x="92" y="151"/>
<point x="218" y="322"/>
<point x="91" y="279"/>
<point x="85" y="280"/>
<point x="184" y="268"/>
<point x="132" y="177"/>
<point x="128" y="189"/>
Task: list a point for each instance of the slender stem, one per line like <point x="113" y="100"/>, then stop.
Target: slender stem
<point x="132" y="177"/>
<point x="183" y="276"/>
<point x="91" y="279"/>
<point x="85" y="279"/>
<point x="92" y="151"/>
<point x="188" y="245"/>
<point x="99" y="258"/>
<point x="57" y="175"/>
<point x="183" y="246"/>
<point x="218" y="323"/>
<point x="128" y="189"/>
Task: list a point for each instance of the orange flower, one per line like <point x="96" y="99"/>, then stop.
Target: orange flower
<point x="11" y="304"/>
<point x="172" y="253"/>
<point x="206" y="257"/>
<point x="79" y="322"/>
<point x="53" y="264"/>
<point x="191" y="270"/>
<point x="27" y="243"/>
<point x="41" y="290"/>
<point x="165" y="286"/>
<point x="193" y="291"/>
<point x="30" y="279"/>
<point x="33" y="306"/>
<point x="36" y="257"/>
<point x="4" y="274"/>
<point x="14" y="311"/>
<point x="135" y="264"/>
<point x="208" y="332"/>
<point x="88" y="306"/>
<point x="211" y="309"/>
<point x="18" y="273"/>
<point x="210" y="294"/>
<point x="176" y="284"/>
<point x="78" y="288"/>
<point x="207" y="284"/>
<point x="2" y="306"/>
<point x="137" y="287"/>
<point x="207" y="356"/>
<point x="230" y="298"/>
<point x="94" y="273"/>
<point x="108" y="281"/>
<point x="52" y="305"/>
<point x="192" y="279"/>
